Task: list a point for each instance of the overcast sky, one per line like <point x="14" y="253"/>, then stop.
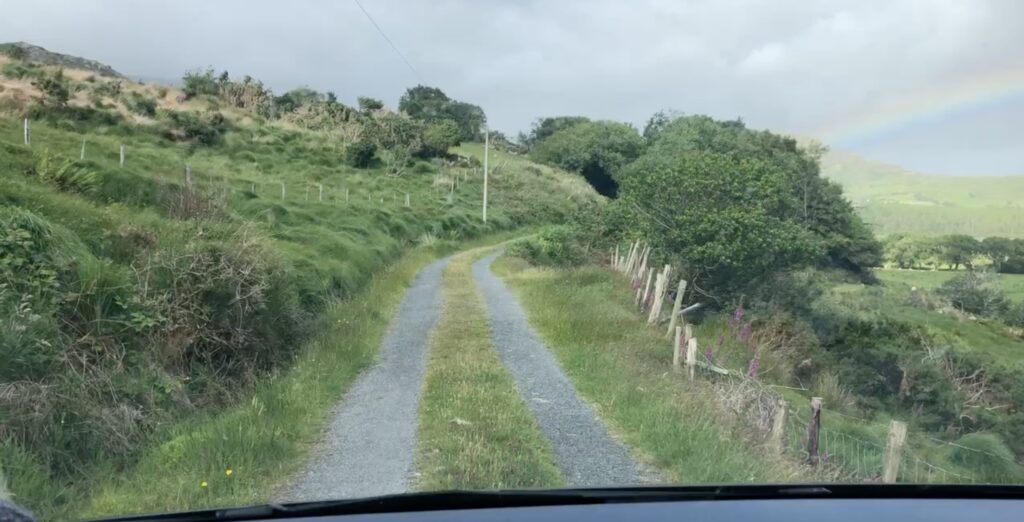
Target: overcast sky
<point x="815" y="68"/>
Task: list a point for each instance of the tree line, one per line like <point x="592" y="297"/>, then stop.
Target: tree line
<point x="1003" y="255"/>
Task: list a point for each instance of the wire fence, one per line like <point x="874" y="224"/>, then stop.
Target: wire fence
<point x="833" y="454"/>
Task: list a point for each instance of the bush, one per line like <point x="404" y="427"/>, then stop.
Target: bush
<point x="975" y="292"/>
<point x="141" y="104"/>
<point x="207" y="128"/>
<point x="197" y="83"/>
<point x="54" y="87"/>
<point x="21" y="70"/>
<point x="987" y="455"/>
<point x="553" y="246"/>
<point x="360" y="153"/>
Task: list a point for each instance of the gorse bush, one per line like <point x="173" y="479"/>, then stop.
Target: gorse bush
<point x="976" y="292"/>
<point x="141" y="104"/>
<point x="553" y="246"/>
<point x="206" y="128"/>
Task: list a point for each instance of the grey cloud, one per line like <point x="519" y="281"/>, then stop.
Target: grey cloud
<point x="790" y="65"/>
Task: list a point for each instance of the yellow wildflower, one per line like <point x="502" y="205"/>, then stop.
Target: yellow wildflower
<point x="203" y="484"/>
<point x="228" y="472"/>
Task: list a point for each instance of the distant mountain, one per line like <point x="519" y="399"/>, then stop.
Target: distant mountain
<point x="897" y="200"/>
<point x="34" y="53"/>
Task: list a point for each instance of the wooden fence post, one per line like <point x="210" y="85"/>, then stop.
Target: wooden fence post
<point x="813" y="427"/>
<point x="188" y="176"/>
<point x="677" y="349"/>
<point x="122" y="154"/>
<point x="346" y="195"/>
<point x="252" y="188"/>
<point x="778" y="427"/>
<point x="307" y="191"/>
<point x="408" y="203"/>
<point x="320" y="187"/>
<point x="894" y="451"/>
<point x="282" y="191"/>
<point x="680" y="290"/>
<point x="28" y="134"/>
<point x="647" y="287"/>
<point x="81" y="154"/>
<point x="615" y="258"/>
<point x="631" y="257"/>
<point x="691" y="356"/>
<point x="659" y="297"/>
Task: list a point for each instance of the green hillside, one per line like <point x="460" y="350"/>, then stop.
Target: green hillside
<point x="897" y="200"/>
<point x="138" y="297"/>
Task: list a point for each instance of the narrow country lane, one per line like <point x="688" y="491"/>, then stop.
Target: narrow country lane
<point x="370" y="445"/>
<point x="586" y="453"/>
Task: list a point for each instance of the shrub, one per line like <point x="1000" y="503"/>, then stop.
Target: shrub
<point x="360" y="154"/>
<point x="987" y="455"/>
<point x="207" y="128"/>
<point x="141" y="104"/>
<point x="975" y="292"/>
<point x="196" y="83"/>
<point x="553" y="246"/>
<point x="21" y="70"/>
<point x="54" y="87"/>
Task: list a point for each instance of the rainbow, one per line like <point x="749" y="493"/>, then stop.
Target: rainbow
<point x="972" y="94"/>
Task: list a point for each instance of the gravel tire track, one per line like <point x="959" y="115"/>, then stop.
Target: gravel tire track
<point x="586" y="453"/>
<point x="370" y="446"/>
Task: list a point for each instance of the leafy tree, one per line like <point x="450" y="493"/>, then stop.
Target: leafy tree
<point x="545" y="127"/>
<point x="470" y="120"/>
<point x="724" y="218"/>
<point x="814" y="202"/>
<point x="959" y="249"/>
<point x="999" y="249"/>
<point x="424" y="103"/>
<point x="596" y="149"/>
<point x="431" y="105"/>
<point x="438" y="138"/>
<point x="400" y="136"/>
<point x="368" y="105"/>
<point x="1015" y="263"/>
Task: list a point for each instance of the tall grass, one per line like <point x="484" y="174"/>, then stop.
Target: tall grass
<point x="587" y="318"/>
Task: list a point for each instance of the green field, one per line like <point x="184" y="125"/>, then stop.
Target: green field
<point x="896" y="200"/>
<point x="1011" y="284"/>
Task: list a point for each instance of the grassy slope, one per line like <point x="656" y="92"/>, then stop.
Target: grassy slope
<point x="895" y="200"/>
<point x="1012" y="284"/>
<point x="475" y="430"/>
<point x="622" y="367"/>
<point x="263" y="440"/>
<point x="328" y="250"/>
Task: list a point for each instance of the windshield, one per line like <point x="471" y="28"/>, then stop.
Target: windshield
<point x="263" y="251"/>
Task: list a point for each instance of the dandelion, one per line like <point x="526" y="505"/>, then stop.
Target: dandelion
<point x="229" y="472"/>
<point x="203" y="484"/>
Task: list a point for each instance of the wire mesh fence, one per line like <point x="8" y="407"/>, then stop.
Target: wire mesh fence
<point x="833" y="453"/>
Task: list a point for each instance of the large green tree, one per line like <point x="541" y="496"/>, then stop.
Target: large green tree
<point x="598" y="150"/>
<point x="545" y="127"/>
<point x="737" y="206"/>
<point x="959" y="249"/>
<point x="431" y="105"/>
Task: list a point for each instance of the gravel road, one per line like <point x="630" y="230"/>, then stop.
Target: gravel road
<point x="370" y="445"/>
<point x="586" y="453"/>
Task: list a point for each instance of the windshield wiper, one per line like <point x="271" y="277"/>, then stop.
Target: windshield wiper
<point x="452" y="500"/>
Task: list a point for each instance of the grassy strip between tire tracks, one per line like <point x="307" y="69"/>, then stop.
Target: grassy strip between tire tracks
<point x="475" y="430"/>
<point x="262" y="441"/>
<point x="623" y="368"/>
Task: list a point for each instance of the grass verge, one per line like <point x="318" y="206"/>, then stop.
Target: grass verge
<point x="622" y="367"/>
<point x="475" y="430"/>
<point x="264" y="440"/>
